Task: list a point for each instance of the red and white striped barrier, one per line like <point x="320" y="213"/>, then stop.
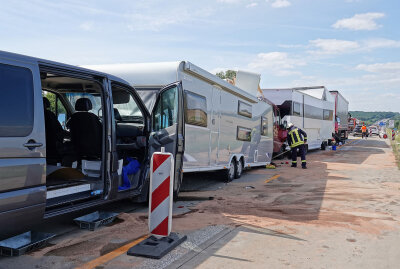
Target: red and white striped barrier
<point x="393" y="135"/>
<point x="161" y="193"/>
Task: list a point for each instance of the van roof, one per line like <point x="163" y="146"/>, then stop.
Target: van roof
<point x="33" y="60"/>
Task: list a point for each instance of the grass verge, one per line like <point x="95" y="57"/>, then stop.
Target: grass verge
<point x="396" y="147"/>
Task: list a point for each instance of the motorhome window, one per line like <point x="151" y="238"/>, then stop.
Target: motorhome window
<point x="243" y="134"/>
<point x="244" y="109"/>
<point x="166" y="110"/>
<point x="16" y="102"/>
<point x="313" y="112"/>
<point x="127" y="107"/>
<point x="264" y="126"/>
<point x="195" y="109"/>
<point x="328" y="114"/>
<point x="296" y="109"/>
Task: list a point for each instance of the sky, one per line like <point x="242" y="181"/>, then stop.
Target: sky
<point x="347" y="45"/>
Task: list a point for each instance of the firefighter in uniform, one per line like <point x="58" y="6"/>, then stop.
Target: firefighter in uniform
<point x="296" y="139"/>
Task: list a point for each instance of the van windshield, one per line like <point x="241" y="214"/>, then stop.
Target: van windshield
<point x="72" y="97"/>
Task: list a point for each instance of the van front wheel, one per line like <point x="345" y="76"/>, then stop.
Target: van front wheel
<point x="177" y="185"/>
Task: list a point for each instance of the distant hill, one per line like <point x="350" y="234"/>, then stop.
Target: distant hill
<point x="372" y="117"/>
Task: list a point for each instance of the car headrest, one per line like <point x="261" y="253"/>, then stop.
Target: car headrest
<point x="46" y="103"/>
<point x="117" y="116"/>
<point x="83" y="104"/>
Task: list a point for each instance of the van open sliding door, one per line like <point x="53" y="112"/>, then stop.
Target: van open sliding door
<point x="167" y="127"/>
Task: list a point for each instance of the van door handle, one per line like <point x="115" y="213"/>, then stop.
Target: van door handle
<point x="31" y="145"/>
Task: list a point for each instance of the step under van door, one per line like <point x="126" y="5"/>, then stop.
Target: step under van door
<point x="167" y="127"/>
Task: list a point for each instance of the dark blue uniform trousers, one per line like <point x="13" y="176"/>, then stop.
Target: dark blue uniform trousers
<point x="302" y="149"/>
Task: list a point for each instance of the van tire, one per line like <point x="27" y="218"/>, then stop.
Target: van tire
<point x="177" y="186"/>
<point x="229" y="173"/>
<point x="239" y="168"/>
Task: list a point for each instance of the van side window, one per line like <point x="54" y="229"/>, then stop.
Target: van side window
<point x="264" y="126"/>
<point x="244" y="109"/>
<point x="243" y="134"/>
<point x="16" y="102"/>
<point x="166" y="110"/>
<point x="296" y="109"/>
<point x="195" y="109"/>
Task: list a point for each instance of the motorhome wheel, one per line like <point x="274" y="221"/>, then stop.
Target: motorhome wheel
<point x="239" y="168"/>
<point x="230" y="172"/>
<point x="323" y="145"/>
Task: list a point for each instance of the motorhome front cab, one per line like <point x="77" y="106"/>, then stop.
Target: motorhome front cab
<point x="66" y="134"/>
<point x="308" y="108"/>
<point x="224" y="127"/>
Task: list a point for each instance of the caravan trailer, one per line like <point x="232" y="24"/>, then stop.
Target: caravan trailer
<point x="309" y="108"/>
<point x="226" y="128"/>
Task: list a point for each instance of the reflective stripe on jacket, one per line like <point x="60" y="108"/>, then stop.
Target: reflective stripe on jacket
<point x="296" y="137"/>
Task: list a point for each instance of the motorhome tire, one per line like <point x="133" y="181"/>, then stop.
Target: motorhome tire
<point x="230" y="171"/>
<point x="239" y="168"/>
<point x="323" y="145"/>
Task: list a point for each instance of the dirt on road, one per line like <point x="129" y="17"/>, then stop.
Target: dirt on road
<point x="352" y="191"/>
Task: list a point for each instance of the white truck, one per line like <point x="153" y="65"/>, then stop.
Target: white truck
<point x="341" y="117"/>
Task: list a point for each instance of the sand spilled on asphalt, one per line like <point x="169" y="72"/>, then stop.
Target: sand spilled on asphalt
<point x="345" y="190"/>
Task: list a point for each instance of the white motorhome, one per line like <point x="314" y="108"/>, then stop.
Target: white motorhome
<point x="225" y="127"/>
<point x="308" y="108"/>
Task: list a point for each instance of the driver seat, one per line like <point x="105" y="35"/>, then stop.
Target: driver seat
<point x="86" y="131"/>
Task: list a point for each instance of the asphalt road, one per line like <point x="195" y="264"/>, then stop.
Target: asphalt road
<point x="343" y="212"/>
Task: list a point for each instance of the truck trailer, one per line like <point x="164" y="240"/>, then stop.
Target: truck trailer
<point x="341" y="117"/>
<point x="225" y="127"/>
<point x="308" y="108"/>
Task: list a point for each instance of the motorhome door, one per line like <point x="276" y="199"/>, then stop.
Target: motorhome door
<point x="168" y="127"/>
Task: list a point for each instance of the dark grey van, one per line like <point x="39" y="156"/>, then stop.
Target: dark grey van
<point x="72" y="138"/>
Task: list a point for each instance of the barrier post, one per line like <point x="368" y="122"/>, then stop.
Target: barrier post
<point x="161" y="190"/>
<point x="393" y="134"/>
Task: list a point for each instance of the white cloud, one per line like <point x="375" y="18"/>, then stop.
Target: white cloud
<point x="280" y="3"/>
<point x="380" y="43"/>
<point x="87" y="26"/>
<point x="229" y="1"/>
<point x="364" y="21"/>
<point x="254" y="4"/>
<point x="333" y="46"/>
<point x="277" y="63"/>
<point x="386" y="68"/>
